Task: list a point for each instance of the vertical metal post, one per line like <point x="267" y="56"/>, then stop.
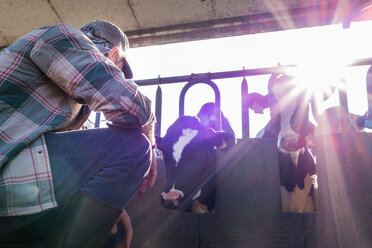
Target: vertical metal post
<point x="98" y="120"/>
<point x="344" y="107"/>
<point x="158" y="106"/>
<point x="245" y="109"/>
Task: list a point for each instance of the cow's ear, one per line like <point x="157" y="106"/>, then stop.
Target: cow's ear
<point x="158" y="141"/>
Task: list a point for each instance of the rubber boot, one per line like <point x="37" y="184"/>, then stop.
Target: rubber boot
<point x="83" y="222"/>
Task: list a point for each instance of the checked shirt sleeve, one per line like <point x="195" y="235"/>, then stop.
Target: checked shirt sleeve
<point x="69" y="59"/>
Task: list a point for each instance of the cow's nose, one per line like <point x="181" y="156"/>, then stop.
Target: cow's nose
<point x="171" y="199"/>
<point x="289" y="143"/>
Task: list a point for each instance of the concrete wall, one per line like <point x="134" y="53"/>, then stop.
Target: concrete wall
<point x="164" y="21"/>
<point x="248" y="205"/>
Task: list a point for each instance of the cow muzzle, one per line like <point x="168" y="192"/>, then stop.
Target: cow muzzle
<point x="291" y="143"/>
<point x="171" y="199"/>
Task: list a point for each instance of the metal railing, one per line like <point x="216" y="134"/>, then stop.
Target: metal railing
<point x="207" y="78"/>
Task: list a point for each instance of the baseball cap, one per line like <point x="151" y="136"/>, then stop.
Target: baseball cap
<point x="114" y="35"/>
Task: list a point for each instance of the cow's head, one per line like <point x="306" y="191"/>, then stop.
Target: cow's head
<point x="189" y="153"/>
<point x="289" y="107"/>
<point x="207" y="115"/>
<point x="289" y="110"/>
<point x="208" y="118"/>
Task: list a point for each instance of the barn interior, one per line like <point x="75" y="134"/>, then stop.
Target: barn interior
<point x="247" y="214"/>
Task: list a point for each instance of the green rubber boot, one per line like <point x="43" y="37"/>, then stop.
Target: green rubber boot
<point x="83" y="222"/>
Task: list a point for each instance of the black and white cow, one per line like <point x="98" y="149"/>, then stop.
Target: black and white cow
<point x="189" y="153"/>
<point x="208" y="118"/>
<point x="289" y="125"/>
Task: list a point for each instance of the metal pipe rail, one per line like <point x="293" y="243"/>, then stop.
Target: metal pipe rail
<point x="214" y="75"/>
<point x="232" y="74"/>
<point x="208" y="77"/>
<point x="217" y="99"/>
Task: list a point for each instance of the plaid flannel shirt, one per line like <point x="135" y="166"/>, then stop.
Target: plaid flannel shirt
<point x="50" y="79"/>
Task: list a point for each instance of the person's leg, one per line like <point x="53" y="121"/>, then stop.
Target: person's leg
<point x="84" y="222"/>
<point x="103" y="165"/>
<point x="26" y="228"/>
<point x="107" y="163"/>
<point x="103" y="190"/>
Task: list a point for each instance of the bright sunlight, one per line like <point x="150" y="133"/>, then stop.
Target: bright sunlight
<point x="321" y="54"/>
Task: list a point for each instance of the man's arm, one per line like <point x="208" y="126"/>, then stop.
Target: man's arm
<point x="72" y="62"/>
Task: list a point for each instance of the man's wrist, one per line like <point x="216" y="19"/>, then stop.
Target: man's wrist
<point x="149" y="131"/>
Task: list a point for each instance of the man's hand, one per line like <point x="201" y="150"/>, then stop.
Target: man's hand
<point x="150" y="178"/>
<point x="124" y="221"/>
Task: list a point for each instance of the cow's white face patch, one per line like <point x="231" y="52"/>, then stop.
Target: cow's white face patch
<point x="295" y="155"/>
<point x="186" y="137"/>
<point x="287" y="110"/>
<point x="287" y="105"/>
